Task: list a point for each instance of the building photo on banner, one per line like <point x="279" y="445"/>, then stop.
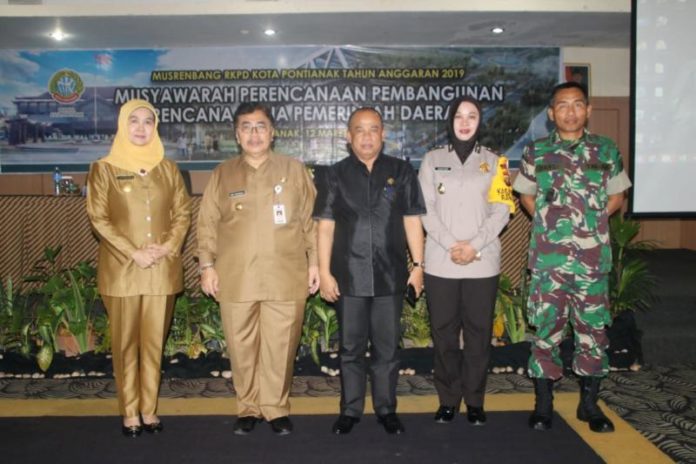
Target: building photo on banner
<point x="60" y="107"/>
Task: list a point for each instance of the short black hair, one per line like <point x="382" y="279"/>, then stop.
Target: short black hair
<point x="250" y="107"/>
<point x="569" y="85"/>
<point x="365" y="108"/>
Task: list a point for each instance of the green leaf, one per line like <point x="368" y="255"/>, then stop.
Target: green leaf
<point x="44" y="357"/>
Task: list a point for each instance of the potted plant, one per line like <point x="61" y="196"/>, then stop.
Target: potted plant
<point x="11" y="317"/>
<point x="196" y="326"/>
<point x="64" y="314"/>
<point x="319" y="328"/>
<point x="631" y="288"/>
<point x="510" y="321"/>
<point x="415" y="324"/>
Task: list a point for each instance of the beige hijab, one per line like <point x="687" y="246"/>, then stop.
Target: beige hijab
<point x="128" y="156"/>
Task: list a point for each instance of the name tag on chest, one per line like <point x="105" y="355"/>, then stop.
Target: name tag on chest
<point x="279" y="216"/>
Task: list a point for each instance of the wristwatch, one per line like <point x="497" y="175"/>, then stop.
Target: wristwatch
<point x="418" y="264"/>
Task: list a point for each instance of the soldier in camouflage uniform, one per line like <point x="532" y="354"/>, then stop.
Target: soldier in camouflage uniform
<point x="570" y="182"/>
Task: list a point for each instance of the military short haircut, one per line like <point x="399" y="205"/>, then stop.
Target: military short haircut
<point x="251" y="107"/>
<point x="569" y="85"/>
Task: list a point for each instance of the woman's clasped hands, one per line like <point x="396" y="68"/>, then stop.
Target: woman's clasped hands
<point x="149" y="255"/>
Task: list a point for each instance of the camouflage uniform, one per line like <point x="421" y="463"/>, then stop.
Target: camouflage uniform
<point x="569" y="251"/>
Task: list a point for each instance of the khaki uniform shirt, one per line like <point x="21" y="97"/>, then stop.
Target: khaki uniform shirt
<point x="129" y="211"/>
<point x="456" y="198"/>
<point x="240" y="229"/>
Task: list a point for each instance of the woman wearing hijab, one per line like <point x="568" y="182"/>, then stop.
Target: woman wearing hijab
<point x="466" y="212"/>
<point x="139" y="208"/>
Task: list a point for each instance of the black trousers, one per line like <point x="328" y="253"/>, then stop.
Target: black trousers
<point x="375" y="320"/>
<point x="461" y="306"/>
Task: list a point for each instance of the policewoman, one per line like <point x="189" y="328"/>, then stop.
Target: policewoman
<point x="469" y="202"/>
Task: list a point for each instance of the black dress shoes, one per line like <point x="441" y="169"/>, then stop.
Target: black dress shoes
<point x="391" y="423"/>
<point x="344" y="424"/>
<point x="155" y="427"/>
<point x="281" y="425"/>
<point x="539" y="422"/>
<point x="244" y="425"/>
<point x="445" y="414"/>
<point x="131" y="431"/>
<point x="475" y="415"/>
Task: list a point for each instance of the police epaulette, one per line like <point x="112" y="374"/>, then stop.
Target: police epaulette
<point x="490" y="150"/>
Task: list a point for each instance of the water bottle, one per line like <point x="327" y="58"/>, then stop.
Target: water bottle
<point x="57" y="177"/>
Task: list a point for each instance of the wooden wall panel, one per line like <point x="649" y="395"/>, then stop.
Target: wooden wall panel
<point x="34" y="184"/>
<point x="688" y="234"/>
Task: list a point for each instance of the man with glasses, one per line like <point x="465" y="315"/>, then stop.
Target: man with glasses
<point x="257" y="257"/>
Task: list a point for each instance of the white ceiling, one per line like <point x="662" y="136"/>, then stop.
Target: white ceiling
<point x="160" y="24"/>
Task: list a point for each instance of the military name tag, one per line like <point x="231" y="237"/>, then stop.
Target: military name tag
<point x="598" y="166"/>
<point x="443" y="168"/>
<point x="279" y="214"/>
<point x="547" y="167"/>
<point x="238" y="193"/>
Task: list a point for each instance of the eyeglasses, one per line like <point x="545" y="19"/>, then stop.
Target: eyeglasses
<point x="247" y="128"/>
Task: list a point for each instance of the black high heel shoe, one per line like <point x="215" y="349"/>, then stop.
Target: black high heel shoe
<point x="155" y="427"/>
<point x="131" y="431"/>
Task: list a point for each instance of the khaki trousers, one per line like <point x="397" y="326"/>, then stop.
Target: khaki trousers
<point x="262" y="339"/>
<point x="138" y="326"/>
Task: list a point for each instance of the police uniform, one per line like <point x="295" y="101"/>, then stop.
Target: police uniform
<point x="570" y="252"/>
<point x="461" y="298"/>
<point x="368" y="260"/>
<point x="255" y="225"/>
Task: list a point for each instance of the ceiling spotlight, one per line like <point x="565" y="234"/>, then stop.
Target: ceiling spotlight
<point x="497" y="30"/>
<point x="269" y="32"/>
<point x="57" y="35"/>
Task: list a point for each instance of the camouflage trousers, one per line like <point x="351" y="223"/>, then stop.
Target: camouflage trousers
<point x="555" y="298"/>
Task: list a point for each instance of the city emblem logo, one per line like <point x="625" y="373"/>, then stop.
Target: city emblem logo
<point x="66" y="86"/>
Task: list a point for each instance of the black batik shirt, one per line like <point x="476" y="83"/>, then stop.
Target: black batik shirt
<point x="369" y="247"/>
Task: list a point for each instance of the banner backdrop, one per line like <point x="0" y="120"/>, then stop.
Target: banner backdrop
<point x="60" y="107"/>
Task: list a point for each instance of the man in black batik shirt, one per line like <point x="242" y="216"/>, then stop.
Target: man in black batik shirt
<point x="369" y="207"/>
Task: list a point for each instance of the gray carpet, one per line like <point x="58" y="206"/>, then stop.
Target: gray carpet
<point x="669" y="328"/>
<point x="207" y="439"/>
